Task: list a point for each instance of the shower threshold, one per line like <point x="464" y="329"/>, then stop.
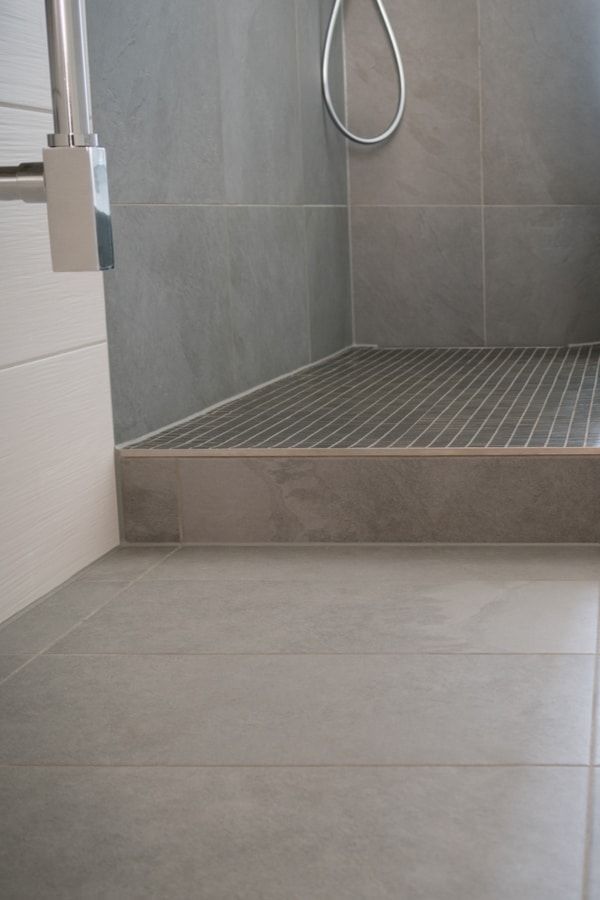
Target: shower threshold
<point x="383" y="445"/>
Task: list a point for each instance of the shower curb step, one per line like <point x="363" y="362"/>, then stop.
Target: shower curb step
<point x="537" y="495"/>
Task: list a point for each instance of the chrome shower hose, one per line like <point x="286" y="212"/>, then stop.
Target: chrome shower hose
<point x="395" y="124"/>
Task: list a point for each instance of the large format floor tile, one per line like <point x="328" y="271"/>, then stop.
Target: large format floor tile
<point x="45" y="622"/>
<point x="10" y="662"/>
<point x="259" y="834"/>
<point x="303" y="710"/>
<point x="594" y="852"/>
<point x="402" y="563"/>
<point x="342" y="617"/>
<point x="125" y="563"/>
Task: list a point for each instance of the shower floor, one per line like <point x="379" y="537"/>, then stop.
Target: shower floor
<point x="372" y="398"/>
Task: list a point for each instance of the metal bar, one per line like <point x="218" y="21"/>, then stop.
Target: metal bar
<point x="24" y="182"/>
<point x="69" y="74"/>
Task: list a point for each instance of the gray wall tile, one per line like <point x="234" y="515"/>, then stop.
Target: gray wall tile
<point x="168" y="315"/>
<point x="420" y="499"/>
<point x="260" y="101"/>
<point x="268" y="292"/>
<point x="541" y="100"/>
<point x="324" y="148"/>
<point x="155" y="79"/>
<point x="149" y="499"/>
<point x="328" y="268"/>
<point x="417" y="276"/>
<point x="435" y="157"/>
<point x="543" y="274"/>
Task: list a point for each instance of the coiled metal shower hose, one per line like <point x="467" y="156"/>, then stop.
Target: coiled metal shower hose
<point x="395" y="124"/>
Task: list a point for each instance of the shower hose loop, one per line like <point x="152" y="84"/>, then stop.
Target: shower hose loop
<point x="326" y="67"/>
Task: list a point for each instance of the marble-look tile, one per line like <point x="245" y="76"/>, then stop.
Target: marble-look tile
<point x="264" y="834"/>
<point x="540" y="101"/>
<point x="404" y="564"/>
<point x="543" y="275"/>
<point x="124" y="564"/>
<point x="268" y="293"/>
<point x="260" y="102"/>
<point x="435" y="157"/>
<point x="418" y="276"/>
<point x="298" y="710"/>
<point x="149" y="500"/>
<point x="323" y="147"/>
<point x="155" y="80"/>
<point x="9" y="662"/>
<point x="459" y="499"/>
<point x="328" y="271"/>
<point x="168" y="313"/>
<point x="351" y="616"/>
<point x="46" y="621"/>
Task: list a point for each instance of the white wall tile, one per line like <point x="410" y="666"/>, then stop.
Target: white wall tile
<point x="58" y="509"/>
<point x="23" y="54"/>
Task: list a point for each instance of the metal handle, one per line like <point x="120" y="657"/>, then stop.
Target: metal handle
<point x="73" y="178"/>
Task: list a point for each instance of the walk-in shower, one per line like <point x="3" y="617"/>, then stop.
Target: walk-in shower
<point x="334" y="23"/>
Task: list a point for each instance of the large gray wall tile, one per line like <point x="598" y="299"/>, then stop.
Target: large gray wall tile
<point x="543" y="274"/>
<point x="155" y="80"/>
<point x="268" y="834"/>
<point x="324" y="148"/>
<point x="269" y="293"/>
<point x="328" y="271"/>
<point x="417" y="276"/>
<point x="460" y="499"/>
<point x="260" y="101"/>
<point x="168" y="315"/>
<point x="541" y="101"/>
<point x="435" y="157"/>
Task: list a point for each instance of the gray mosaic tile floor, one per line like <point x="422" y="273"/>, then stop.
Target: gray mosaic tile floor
<point x="378" y="398"/>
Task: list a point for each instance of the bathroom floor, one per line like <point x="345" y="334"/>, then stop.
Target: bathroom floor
<point x="306" y="722"/>
<point x="374" y="398"/>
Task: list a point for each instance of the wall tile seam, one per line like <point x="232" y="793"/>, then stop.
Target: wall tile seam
<point x="307" y="286"/>
<point x="125" y="203"/>
<point x="56" y="355"/>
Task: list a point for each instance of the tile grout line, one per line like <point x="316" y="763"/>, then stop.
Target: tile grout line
<point x="482" y="177"/>
<point x="452" y="654"/>
<point x="587" y="857"/>
<point x="93" y="613"/>
<point x="365" y="765"/>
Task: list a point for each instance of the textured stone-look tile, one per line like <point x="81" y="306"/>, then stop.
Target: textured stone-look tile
<point x="458" y="499"/>
<point x="155" y="83"/>
<point x="543" y="275"/>
<point x="406" y="565"/>
<point x="260" y="102"/>
<point x="264" y="834"/>
<point x="434" y="158"/>
<point x="124" y="564"/>
<point x="328" y="272"/>
<point x="168" y="316"/>
<point x="594" y="884"/>
<point x="46" y="621"/>
<point x="269" y="293"/>
<point x="9" y="662"/>
<point x="323" y="147"/>
<point x="418" y="276"/>
<point x="149" y="500"/>
<point x="342" y="617"/>
<point x="301" y="710"/>
<point x="540" y="97"/>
